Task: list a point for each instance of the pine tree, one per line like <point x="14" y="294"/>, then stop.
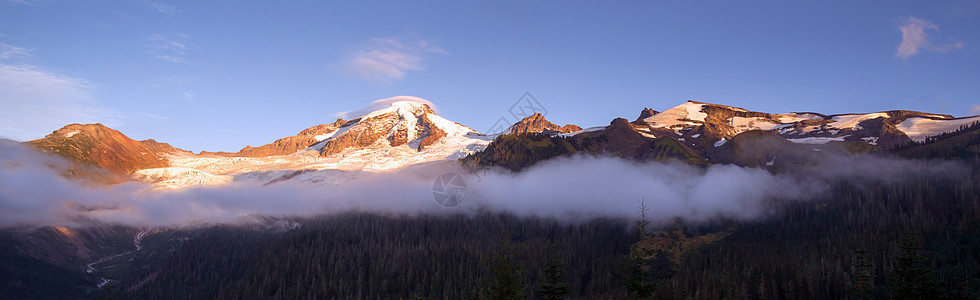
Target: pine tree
<point x="862" y="284"/>
<point x="911" y="278"/>
<point x="554" y="285"/>
<point x="638" y="276"/>
<point x="507" y="277"/>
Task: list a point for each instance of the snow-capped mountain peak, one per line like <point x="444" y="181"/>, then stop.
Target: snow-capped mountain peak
<point x="411" y="123"/>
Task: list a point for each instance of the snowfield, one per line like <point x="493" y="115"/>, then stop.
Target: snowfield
<point x="918" y="128"/>
<point x="850" y="121"/>
<point x="188" y="169"/>
<point x="682" y="115"/>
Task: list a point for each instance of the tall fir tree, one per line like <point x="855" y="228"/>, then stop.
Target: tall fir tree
<point x="911" y="278"/>
<point x="861" y="278"/>
<point x="638" y="282"/>
<point x="507" y="277"/>
<point x="554" y="286"/>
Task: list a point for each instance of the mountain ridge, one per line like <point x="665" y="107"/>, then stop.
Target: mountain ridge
<point x="403" y="133"/>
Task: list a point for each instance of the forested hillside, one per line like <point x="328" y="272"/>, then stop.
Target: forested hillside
<point x="804" y="249"/>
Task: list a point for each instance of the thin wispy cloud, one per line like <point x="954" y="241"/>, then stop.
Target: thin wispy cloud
<point x="153" y="116"/>
<point x="916" y="39"/>
<point x="975" y="109"/>
<point x="12" y="52"/>
<point x="37" y="101"/>
<point x="387" y="59"/>
<point x="25" y="2"/>
<point x="172" y="48"/>
<point x="161" y="8"/>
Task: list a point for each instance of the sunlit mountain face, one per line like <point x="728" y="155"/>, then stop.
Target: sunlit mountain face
<point x="577" y="150"/>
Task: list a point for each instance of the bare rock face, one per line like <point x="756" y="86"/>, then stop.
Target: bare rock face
<point x="537" y="123"/>
<point x="568" y="128"/>
<point x="430" y="133"/>
<point x="100" y="146"/>
<point x="291" y="144"/>
<point x="645" y="113"/>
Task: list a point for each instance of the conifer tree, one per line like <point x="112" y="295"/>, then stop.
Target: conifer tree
<point x="911" y="278"/>
<point x="554" y="285"/>
<point x="507" y="277"/>
<point x="638" y="277"/>
<point x="862" y="284"/>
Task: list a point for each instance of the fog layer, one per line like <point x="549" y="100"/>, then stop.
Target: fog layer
<point x="33" y="192"/>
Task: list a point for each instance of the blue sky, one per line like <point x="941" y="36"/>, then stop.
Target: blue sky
<point x="219" y="75"/>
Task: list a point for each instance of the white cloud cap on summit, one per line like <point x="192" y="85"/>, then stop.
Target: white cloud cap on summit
<point x="382" y="103"/>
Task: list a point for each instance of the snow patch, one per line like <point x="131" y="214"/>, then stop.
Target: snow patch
<point x="796" y="117"/>
<point x="817" y="140"/>
<point x="681" y="115"/>
<point x="590" y="129"/>
<point x="720" y="142"/>
<point x="852" y="120"/>
<point x="321" y="137"/>
<point x="918" y="128"/>
<point x="756" y="123"/>
<point x="70" y="134"/>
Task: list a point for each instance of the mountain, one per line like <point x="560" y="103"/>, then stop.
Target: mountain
<point x="100" y="146"/>
<point x="703" y="133"/>
<point x="713" y="122"/>
<point x="406" y="131"/>
<point x="619" y="139"/>
<point x="536" y="123"/>
<point x="400" y="134"/>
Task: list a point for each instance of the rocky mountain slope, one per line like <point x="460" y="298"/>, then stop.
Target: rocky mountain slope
<point x="404" y="133"/>
<point x="289" y="145"/>
<point x="702" y="133"/>
<point x="100" y="146"/>
<point x="713" y="122"/>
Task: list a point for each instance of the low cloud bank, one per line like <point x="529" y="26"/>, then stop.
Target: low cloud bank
<point x="33" y="193"/>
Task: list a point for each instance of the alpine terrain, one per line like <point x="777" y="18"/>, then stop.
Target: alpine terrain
<point x="771" y="205"/>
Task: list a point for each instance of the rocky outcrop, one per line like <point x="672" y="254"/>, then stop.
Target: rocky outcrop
<point x="645" y="113"/>
<point x="536" y="123"/>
